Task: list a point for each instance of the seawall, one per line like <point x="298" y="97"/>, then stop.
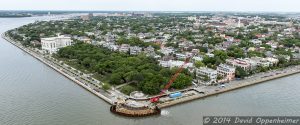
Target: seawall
<point x="244" y="84"/>
<point x="162" y="105"/>
<point x="42" y="59"/>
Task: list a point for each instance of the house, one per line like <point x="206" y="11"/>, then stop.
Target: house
<point x="296" y="56"/>
<point x="141" y="35"/>
<point x="206" y="76"/>
<point x="109" y="45"/>
<point x="167" y="50"/>
<point x="256" y="41"/>
<point x="269" y="54"/>
<point x="192" y="18"/>
<point x="251" y="49"/>
<point x="186" y="45"/>
<point x="239" y="63"/>
<point x="272" y="44"/>
<point x="226" y="71"/>
<point x="134" y="50"/>
<point x="195" y="51"/>
<point x="53" y="44"/>
<point x="261" y="62"/>
<point x="124" y="48"/>
<point x="84" y="39"/>
<point x="181" y="56"/>
<point x="167" y="58"/>
<point x="173" y="63"/>
<point x="150" y="51"/>
<point x="253" y="63"/>
<point x="211" y="55"/>
<point x="197" y="58"/>
<point x="272" y="60"/>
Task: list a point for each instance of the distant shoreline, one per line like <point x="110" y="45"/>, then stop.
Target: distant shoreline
<point x="154" y="11"/>
<point x="14" y="16"/>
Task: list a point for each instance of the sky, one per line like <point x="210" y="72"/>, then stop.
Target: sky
<point x="154" y="5"/>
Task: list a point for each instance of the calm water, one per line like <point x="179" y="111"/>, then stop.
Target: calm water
<point x="33" y="94"/>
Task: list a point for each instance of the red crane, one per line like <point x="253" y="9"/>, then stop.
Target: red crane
<point x="173" y="78"/>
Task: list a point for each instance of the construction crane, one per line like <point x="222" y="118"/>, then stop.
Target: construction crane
<point x="173" y="78"/>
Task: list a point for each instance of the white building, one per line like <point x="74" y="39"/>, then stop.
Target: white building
<point x="226" y="71"/>
<point x="167" y="50"/>
<point x="197" y="58"/>
<point x="109" y="45"/>
<point x="134" y="50"/>
<point x="242" y="63"/>
<point x="124" y="48"/>
<point x="150" y="51"/>
<point x="274" y="61"/>
<point x="181" y="56"/>
<point x="253" y="63"/>
<point x="265" y="62"/>
<point x="173" y="63"/>
<point x="52" y="44"/>
<point x="256" y="42"/>
<point x="206" y="76"/>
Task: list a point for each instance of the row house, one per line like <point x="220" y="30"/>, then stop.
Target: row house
<point x="256" y="41"/>
<point x="252" y="63"/>
<point x="135" y="50"/>
<point x="83" y="39"/>
<point x="124" y="48"/>
<point x="265" y="62"/>
<point x="245" y="65"/>
<point x="180" y="56"/>
<point x="206" y="76"/>
<point x="226" y="71"/>
<point x="111" y="46"/>
<point x="173" y="63"/>
<point x="167" y="50"/>
<point x="186" y="45"/>
<point x="273" y="44"/>
<point x="150" y="51"/>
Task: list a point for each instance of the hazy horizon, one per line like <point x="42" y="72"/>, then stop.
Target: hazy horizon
<point x="154" y="5"/>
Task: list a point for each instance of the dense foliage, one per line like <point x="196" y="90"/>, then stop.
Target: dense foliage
<point x="121" y="68"/>
<point x="134" y="41"/>
<point x="291" y="42"/>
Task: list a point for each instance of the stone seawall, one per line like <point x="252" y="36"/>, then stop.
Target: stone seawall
<point x="245" y="84"/>
<point x="42" y="59"/>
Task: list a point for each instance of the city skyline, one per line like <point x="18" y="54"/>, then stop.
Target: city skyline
<point x="153" y="5"/>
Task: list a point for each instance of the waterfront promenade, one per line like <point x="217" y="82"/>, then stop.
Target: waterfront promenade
<point x="65" y="71"/>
